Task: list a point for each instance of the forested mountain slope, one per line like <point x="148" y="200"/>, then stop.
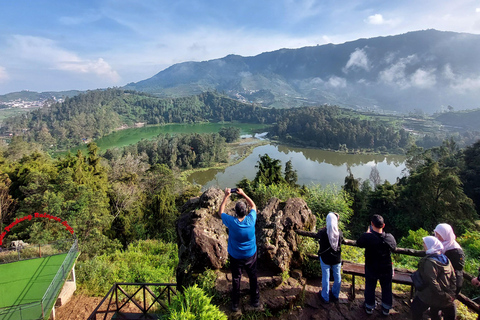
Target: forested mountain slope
<point x="422" y="70"/>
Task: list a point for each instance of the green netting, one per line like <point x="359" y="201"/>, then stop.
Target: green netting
<point x="43" y="306"/>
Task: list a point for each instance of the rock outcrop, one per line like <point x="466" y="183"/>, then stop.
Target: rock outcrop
<point x="202" y="237"/>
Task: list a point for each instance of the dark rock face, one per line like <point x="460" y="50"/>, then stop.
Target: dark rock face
<point x="275" y="231"/>
<point x="202" y="237"/>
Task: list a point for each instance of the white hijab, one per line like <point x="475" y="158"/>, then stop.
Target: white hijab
<point x="434" y="246"/>
<point x="332" y="230"/>
<point x="446" y="232"/>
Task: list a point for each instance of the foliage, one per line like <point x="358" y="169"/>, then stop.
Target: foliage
<point x="231" y="134"/>
<point x="323" y="200"/>
<point x="96" y="113"/>
<point x="142" y="261"/>
<point x="414" y="240"/>
<point x="269" y="171"/>
<point x="334" y="128"/>
<point x="470" y="173"/>
<point x="431" y="194"/>
<point x="194" y="304"/>
<point x="261" y="194"/>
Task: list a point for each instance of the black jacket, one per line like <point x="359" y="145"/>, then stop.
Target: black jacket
<point x="378" y="248"/>
<point x="457" y="258"/>
<point x="326" y="252"/>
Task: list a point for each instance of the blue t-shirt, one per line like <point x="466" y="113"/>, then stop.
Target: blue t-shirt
<point x="241" y="243"/>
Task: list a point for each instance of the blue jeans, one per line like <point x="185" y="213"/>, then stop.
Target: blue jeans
<point x="326" y="280"/>
<point x="385" y="278"/>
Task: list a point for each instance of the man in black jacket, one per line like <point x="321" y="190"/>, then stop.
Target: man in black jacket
<point x="378" y="264"/>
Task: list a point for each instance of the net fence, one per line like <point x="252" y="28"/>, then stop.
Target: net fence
<point x="41" y="309"/>
<point x="24" y="251"/>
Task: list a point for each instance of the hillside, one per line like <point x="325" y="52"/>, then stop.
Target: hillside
<point x="460" y="120"/>
<point x="423" y="70"/>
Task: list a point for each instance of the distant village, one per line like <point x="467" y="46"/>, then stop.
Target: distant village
<point x="24" y="104"/>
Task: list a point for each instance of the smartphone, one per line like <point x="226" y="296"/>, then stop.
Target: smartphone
<point x="233" y="190"/>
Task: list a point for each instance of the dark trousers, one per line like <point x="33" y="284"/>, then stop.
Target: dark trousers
<point x="418" y="307"/>
<point x="385" y="278"/>
<point x="250" y="266"/>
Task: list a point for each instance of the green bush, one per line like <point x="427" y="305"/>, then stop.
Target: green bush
<point x="143" y="261"/>
<point x="194" y="304"/>
<point x="323" y="200"/>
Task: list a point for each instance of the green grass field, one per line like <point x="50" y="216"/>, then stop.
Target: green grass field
<point x="26" y="281"/>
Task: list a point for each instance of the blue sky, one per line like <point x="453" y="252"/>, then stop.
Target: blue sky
<point x="88" y="44"/>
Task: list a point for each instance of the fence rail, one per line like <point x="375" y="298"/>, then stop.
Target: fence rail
<point x="116" y="304"/>
<point x="406" y="251"/>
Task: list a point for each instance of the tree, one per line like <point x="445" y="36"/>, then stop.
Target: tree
<point x="231" y="134"/>
<point x="6" y="200"/>
<point x="375" y="176"/>
<point x="470" y="173"/>
<point x="291" y="176"/>
<point x="269" y="171"/>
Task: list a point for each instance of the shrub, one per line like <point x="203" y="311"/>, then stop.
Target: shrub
<point x="143" y="261"/>
<point x="194" y="304"/>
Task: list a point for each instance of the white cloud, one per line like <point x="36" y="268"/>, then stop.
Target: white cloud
<point x="477" y="10"/>
<point x="47" y="53"/>
<point x="460" y="84"/>
<point x="358" y="59"/>
<point x="395" y="74"/>
<point x="423" y="78"/>
<point x="337" y="82"/>
<point x="378" y="19"/>
<point x="3" y="74"/>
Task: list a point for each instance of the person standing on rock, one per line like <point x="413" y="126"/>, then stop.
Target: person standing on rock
<point x="330" y="254"/>
<point x="242" y="245"/>
<point x="378" y="264"/>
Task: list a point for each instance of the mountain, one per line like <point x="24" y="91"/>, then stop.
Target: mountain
<point x="422" y="70"/>
<point x="37" y="96"/>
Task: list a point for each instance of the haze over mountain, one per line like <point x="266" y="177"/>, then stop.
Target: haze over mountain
<point x="422" y="70"/>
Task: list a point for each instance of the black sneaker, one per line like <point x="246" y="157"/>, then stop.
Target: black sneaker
<point x="322" y="299"/>
<point x="368" y="310"/>
<point x="234" y="307"/>
<point x="385" y="311"/>
<point x="332" y="297"/>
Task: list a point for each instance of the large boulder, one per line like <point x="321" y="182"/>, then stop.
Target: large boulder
<point x="275" y="230"/>
<point x="202" y="237"/>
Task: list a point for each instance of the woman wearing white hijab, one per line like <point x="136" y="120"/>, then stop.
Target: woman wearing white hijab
<point x="452" y="250"/>
<point x="330" y="254"/>
<point x="437" y="273"/>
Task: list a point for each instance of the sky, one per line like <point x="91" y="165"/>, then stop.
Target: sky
<point x="89" y="44"/>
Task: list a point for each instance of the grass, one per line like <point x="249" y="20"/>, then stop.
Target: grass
<point x="26" y="281"/>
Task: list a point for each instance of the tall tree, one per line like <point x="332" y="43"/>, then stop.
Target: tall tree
<point x="291" y="175"/>
<point x="269" y="171"/>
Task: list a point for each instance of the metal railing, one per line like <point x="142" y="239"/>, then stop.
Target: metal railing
<point x="119" y="298"/>
<point x="406" y="251"/>
<point x="41" y="309"/>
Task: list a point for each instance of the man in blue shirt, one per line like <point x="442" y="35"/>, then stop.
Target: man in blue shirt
<point x="242" y="246"/>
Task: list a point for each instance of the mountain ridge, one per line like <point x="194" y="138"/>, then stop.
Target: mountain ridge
<point x="425" y="70"/>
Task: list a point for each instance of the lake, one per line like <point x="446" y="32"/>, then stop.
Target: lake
<point x="313" y="167"/>
<point x="123" y="138"/>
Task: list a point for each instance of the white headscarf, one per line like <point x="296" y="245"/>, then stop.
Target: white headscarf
<point x="332" y="230"/>
<point x="446" y="232"/>
<point x="434" y="246"/>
